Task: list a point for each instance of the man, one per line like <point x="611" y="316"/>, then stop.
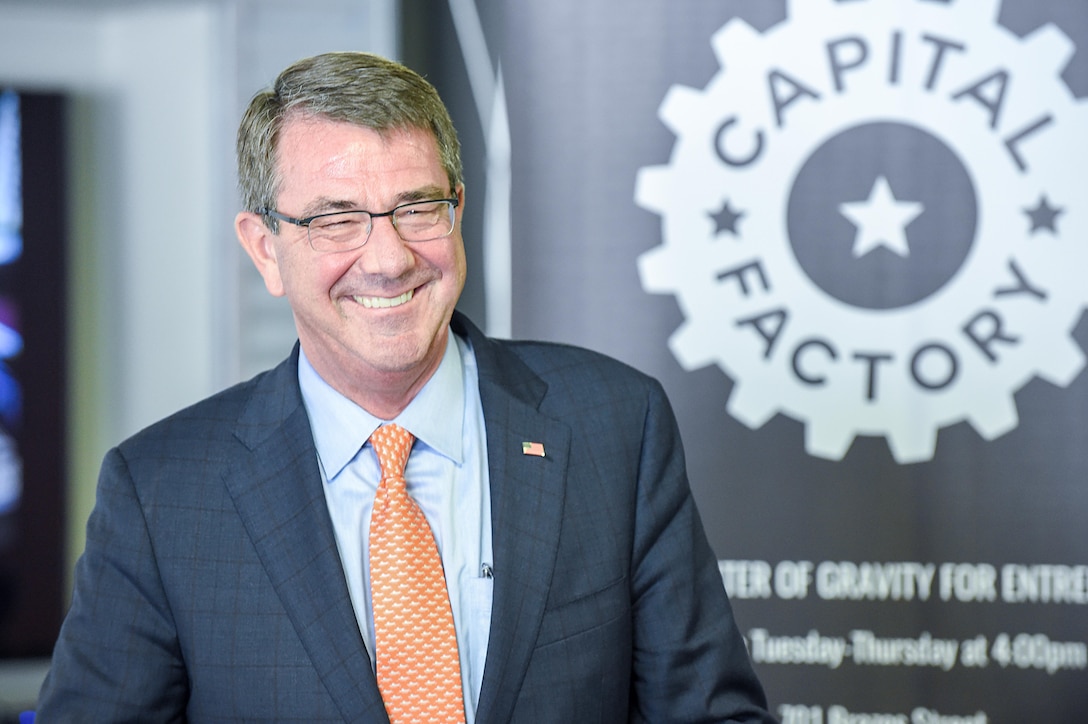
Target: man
<point x="231" y="568"/>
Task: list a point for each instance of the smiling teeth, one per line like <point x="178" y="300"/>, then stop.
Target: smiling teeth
<point x="383" y="302"/>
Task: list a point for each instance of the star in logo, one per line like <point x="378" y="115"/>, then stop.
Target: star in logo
<point x="881" y="220"/>
<point x="726" y="219"/>
<point x="1044" y="216"/>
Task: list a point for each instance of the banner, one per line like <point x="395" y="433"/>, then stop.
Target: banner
<point x="850" y="239"/>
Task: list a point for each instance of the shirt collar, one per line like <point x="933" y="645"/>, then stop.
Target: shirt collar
<point x="435" y="416"/>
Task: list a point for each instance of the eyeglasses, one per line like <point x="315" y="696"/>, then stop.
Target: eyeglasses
<point x="349" y="230"/>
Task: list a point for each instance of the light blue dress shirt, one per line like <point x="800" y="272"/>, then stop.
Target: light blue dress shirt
<point x="447" y="477"/>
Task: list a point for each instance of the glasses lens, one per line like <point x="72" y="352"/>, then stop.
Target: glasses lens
<point x="335" y="232"/>
<point x="424" y="220"/>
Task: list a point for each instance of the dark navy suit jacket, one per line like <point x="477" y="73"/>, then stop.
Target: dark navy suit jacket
<point x="211" y="588"/>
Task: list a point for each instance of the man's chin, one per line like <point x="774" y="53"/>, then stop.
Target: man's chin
<point x="404" y="354"/>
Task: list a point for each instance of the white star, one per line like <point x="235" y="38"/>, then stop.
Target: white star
<point x="881" y="220"/>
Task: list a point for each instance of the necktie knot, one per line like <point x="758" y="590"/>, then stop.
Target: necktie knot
<point x="393" y="444"/>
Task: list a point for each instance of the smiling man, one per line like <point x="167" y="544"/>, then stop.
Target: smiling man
<point x="405" y="520"/>
<point x="373" y="320"/>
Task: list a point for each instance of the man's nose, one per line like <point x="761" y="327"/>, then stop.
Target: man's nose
<point x="385" y="252"/>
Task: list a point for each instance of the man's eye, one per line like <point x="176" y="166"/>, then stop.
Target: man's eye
<point x="336" y="223"/>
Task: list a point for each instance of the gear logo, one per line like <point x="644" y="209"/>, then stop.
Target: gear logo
<point x="872" y="220"/>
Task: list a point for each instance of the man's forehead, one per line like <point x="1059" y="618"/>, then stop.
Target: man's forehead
<point x="327" y="164"/>
<point x="300" y="122"/>
<point x="306" y="140"/>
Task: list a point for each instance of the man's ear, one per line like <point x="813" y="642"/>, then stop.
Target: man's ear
<point x="258" y="241"/>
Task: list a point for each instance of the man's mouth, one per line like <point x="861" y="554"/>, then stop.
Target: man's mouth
<point x="385" y="302"/>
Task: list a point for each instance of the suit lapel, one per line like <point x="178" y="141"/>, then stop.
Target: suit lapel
<point x="527" y="494"/>
<point x="276" y="488"/>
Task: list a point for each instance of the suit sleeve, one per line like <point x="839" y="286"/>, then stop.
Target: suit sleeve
<point x="117" y="658"/>
<point x="690" y="661"/>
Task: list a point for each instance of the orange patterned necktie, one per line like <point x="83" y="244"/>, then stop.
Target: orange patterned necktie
<point x="419" y="674"/>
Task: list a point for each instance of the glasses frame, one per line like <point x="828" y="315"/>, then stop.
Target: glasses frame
<point x="305" y="221"/>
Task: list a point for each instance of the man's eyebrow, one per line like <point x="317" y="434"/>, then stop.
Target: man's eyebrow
<point x="424" y="193"/>
<point x="326" y="205"/>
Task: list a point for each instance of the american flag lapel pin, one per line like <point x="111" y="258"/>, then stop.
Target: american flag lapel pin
<point x="532" y="448"/>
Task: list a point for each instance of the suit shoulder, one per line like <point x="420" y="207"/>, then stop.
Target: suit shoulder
<point x="582" y="377"/>
<point x="203" y="423"/>
<point x="546" y="358"/>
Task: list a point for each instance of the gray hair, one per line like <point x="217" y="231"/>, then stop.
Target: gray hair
<point x="359" y="88"/>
